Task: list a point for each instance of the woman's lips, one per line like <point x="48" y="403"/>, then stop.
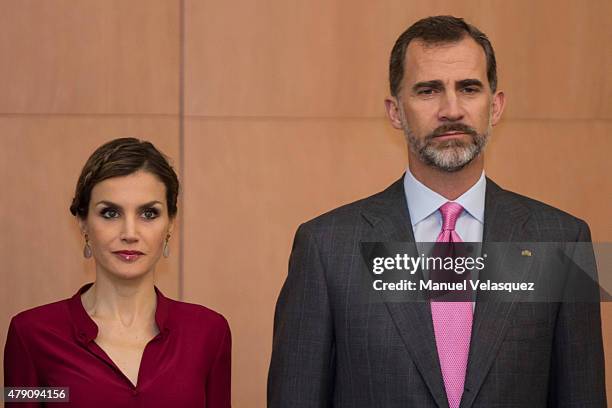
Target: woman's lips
<point x="128" y="256"/>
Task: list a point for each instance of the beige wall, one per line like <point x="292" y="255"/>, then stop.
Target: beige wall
<point x="273" y="111"/>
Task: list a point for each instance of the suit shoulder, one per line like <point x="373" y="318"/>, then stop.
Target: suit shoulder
<point x="541" y="208"/>
<point x="345" y="215"/>
<point x="547" y="215"/>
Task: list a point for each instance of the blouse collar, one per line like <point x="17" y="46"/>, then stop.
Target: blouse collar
<point x="86" y="329"/>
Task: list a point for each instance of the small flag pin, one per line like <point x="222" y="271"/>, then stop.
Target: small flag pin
<point x="526" y="252"/>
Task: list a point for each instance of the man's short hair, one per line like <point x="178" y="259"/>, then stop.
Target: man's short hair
<point x="438" y="30"/>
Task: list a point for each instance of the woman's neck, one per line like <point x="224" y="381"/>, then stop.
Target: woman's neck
<point x="131" y="303"/>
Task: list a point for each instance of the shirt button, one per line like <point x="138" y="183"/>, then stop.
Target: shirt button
<point x="135" y="392"/>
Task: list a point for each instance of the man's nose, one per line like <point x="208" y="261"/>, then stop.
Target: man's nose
<point x="450" y="108"/>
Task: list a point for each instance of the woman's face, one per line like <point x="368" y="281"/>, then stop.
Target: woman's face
<point x="127" y="224"/>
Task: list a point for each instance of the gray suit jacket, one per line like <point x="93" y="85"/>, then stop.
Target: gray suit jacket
<point x="332" y="349"/>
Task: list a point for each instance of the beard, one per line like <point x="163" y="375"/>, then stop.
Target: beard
<point x="448" y="155"/>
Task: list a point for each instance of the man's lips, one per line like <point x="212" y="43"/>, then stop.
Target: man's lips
<point x="450" y="135"/>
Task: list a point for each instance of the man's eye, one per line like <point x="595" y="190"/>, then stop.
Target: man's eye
<point x="109" y="213"/>
<point x="150" y="214"/>
<point x="426" y="91"/>
<point x="470" y="90"/>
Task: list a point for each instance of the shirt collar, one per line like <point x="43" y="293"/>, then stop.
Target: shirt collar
<point x="86" y="329"/>
<point x="423" y="201"/>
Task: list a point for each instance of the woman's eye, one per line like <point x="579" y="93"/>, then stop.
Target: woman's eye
<point x="150" y="214"/>
<point x="109" y="213"/>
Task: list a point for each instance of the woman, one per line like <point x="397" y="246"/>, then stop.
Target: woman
<point x="119" y="342"/>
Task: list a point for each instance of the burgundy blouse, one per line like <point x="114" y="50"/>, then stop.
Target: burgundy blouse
<point x="186" y="365"/>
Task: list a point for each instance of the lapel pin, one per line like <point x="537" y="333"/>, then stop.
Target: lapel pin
<point x="526" y="252"/>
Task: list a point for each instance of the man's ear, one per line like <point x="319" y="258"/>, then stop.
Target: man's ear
<point x="393" y="112"/>
<point x="497" y="107"/>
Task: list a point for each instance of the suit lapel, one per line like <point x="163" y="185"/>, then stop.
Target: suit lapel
<point x="390" y="222"/>
<point x="505" y="219"/>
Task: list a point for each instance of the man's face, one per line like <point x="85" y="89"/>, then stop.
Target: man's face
<point x="445" y="105"/>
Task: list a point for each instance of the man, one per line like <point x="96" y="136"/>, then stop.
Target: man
<point x="331" y="348"/>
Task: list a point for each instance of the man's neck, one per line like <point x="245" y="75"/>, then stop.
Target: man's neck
<point x="450" y="185"/>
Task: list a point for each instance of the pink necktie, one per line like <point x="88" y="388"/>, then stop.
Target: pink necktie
<point x="452" y="321"/>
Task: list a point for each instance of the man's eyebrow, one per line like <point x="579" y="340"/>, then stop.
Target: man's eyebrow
<point x="436" y="84"/>
<point x="469" y="82"/>
<point x="111" y="204"/>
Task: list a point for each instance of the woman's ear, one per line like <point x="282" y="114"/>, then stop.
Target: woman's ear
<point x="171" y="226"/>
<point x="82" y="226"/>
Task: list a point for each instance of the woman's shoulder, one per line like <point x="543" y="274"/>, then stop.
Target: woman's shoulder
<point x="43" y="318"/>
<point x="195" y="314"/>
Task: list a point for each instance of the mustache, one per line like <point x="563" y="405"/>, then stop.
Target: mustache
<point x="452" y="127"/>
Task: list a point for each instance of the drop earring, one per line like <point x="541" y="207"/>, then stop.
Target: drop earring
<point x="87" y="249"/>
<point x="166" y="251"/>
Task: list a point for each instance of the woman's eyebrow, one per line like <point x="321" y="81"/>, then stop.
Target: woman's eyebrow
<point x="111" y="204"/>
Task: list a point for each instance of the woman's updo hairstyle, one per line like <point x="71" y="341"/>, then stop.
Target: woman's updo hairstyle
<point x="121" y="157"/>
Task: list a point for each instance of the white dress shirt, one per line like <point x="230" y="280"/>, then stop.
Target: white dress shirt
<point x="423" y="205"/>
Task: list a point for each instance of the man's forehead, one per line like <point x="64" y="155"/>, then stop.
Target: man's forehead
<point x="443" y="61"/>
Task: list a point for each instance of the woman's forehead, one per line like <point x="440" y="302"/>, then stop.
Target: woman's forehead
<point x="136" y="188"/>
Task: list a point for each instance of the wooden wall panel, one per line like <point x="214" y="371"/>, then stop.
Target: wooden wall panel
<point x="553" y="58"/>
<point x="249" y="184"/>
<point x="40" y="245"/>
<point x="329" y="59"/>
<point x="563" y="163"/>
<point x="92" y="56"/>
<point x="283" y="59"/>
